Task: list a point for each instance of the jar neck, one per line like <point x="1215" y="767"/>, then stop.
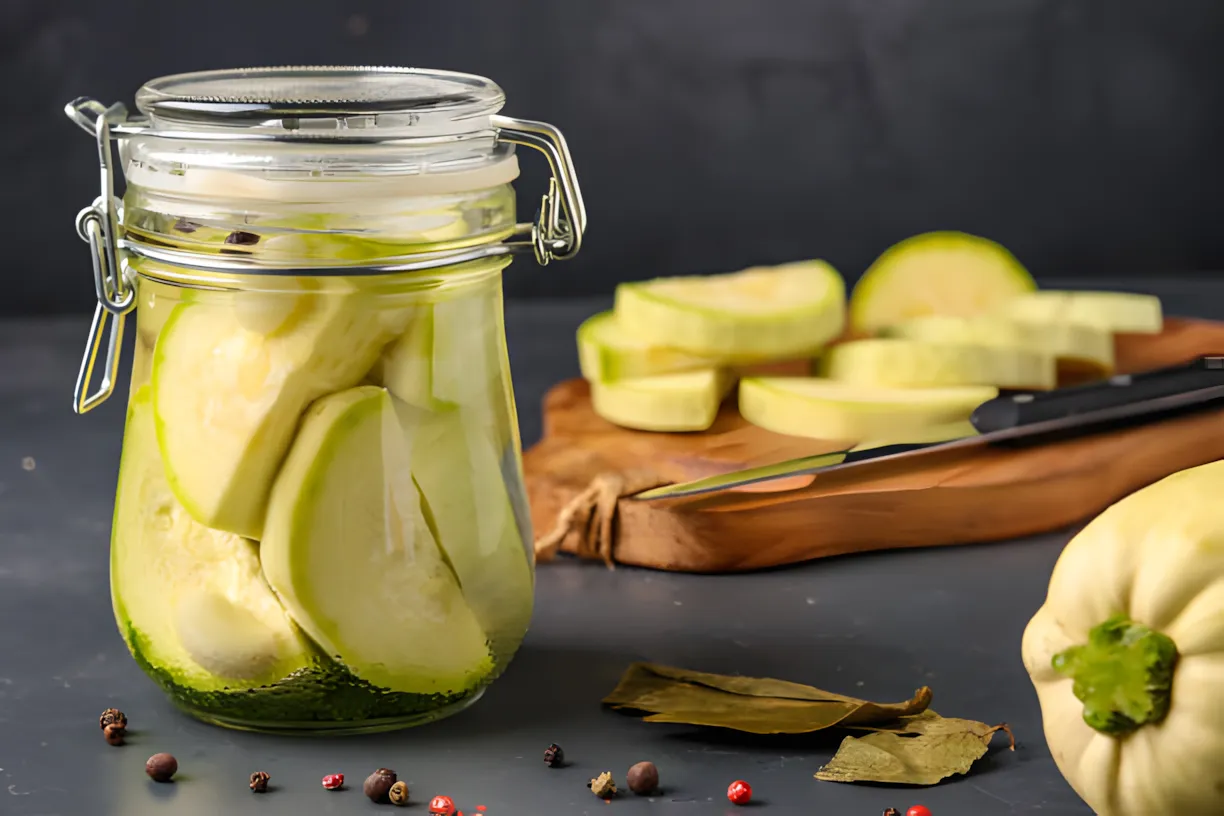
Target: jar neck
<point x="281" y="219"/>
<point x="437" y="280"/>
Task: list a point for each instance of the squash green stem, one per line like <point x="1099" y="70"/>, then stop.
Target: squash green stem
<point x="1123" y="675"/>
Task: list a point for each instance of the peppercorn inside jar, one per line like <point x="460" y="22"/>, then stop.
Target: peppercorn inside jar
<point x="320" y="520"/>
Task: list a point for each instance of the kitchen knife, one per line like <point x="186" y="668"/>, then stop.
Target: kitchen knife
<point x="1012" y="420"/>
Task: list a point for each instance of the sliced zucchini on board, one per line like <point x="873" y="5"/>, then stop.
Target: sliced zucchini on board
<point x="830" y="409"/>
<point x="1083" y="345"/>
<point x="768" y="311"/>
<point x="608" y="351"/>
<point x="670" y="402"/>
<point x="349" y="550"/>
<point x="1120" y="312"/>
<point x="915" y="364"/>
<point x="936" y="273"/>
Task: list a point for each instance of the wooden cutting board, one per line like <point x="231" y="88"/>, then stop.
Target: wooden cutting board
<point x="584" y="463"/>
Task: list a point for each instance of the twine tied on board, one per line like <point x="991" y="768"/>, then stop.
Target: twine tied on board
<point x="591" y="514"/>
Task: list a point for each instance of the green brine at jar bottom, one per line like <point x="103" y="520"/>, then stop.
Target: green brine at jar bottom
<point x="324" y="699"/>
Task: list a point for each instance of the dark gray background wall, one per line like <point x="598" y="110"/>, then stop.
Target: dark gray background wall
<point x="1086" y="135"/>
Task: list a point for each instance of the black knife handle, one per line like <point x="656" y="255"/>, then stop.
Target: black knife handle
<point x="1015" y="410"/>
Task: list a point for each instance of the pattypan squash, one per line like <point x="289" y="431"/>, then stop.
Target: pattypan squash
<point x="1127" y="652"/>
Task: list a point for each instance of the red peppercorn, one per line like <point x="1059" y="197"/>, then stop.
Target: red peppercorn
<point x="333" y="781"/>
<point x="740" y="792"/>
<point x="441" y="806"/>
<point x="918" y="810"/>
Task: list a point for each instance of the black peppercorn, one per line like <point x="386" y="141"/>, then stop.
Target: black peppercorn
<point x="112" y="716"/>
<point x="378" y="784"/>
<point x="161" y="767"/>
<point x="242" y="238"/>
<point x="398" y="794"/>
<point x="259" y="782"/>
<point x="114" y="734"/>
<point x="643" y="778"/>
<point x="554" y="757"/>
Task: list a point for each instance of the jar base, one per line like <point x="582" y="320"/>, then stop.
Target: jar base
<point x="337" y="729"/>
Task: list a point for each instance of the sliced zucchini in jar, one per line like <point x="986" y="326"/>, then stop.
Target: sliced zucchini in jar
<point x="351" y="553"/>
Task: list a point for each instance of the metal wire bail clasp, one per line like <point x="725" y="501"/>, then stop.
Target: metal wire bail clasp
<point x="98" y="225"/>
<point x="561" y="221"/>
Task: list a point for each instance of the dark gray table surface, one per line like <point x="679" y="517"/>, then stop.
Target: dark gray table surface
<point x="877" y="625"/>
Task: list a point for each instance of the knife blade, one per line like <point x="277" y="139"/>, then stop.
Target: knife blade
<point x="1012" y="420"/>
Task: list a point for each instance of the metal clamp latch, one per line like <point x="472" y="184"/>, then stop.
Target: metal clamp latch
<point x="556" y="234"/>
<point x="98" y="225"/>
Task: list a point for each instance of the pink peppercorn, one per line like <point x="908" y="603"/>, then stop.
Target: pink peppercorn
<point x="740" y="792"/>
<point x="441" y="806"/>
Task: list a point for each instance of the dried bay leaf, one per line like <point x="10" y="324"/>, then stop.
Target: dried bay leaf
<point x="930" y="750"/>
<point x="735" y="684"/>
<point x="901" y="725"/>
<point x="787" y="717"/>
<point x="902" y="743"/>
<point x="748" y="704"/>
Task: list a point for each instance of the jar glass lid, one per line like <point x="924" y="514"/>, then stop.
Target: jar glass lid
<point x="333" y="102"/>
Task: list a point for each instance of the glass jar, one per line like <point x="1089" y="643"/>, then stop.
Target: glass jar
<point x="320" y="523"/>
